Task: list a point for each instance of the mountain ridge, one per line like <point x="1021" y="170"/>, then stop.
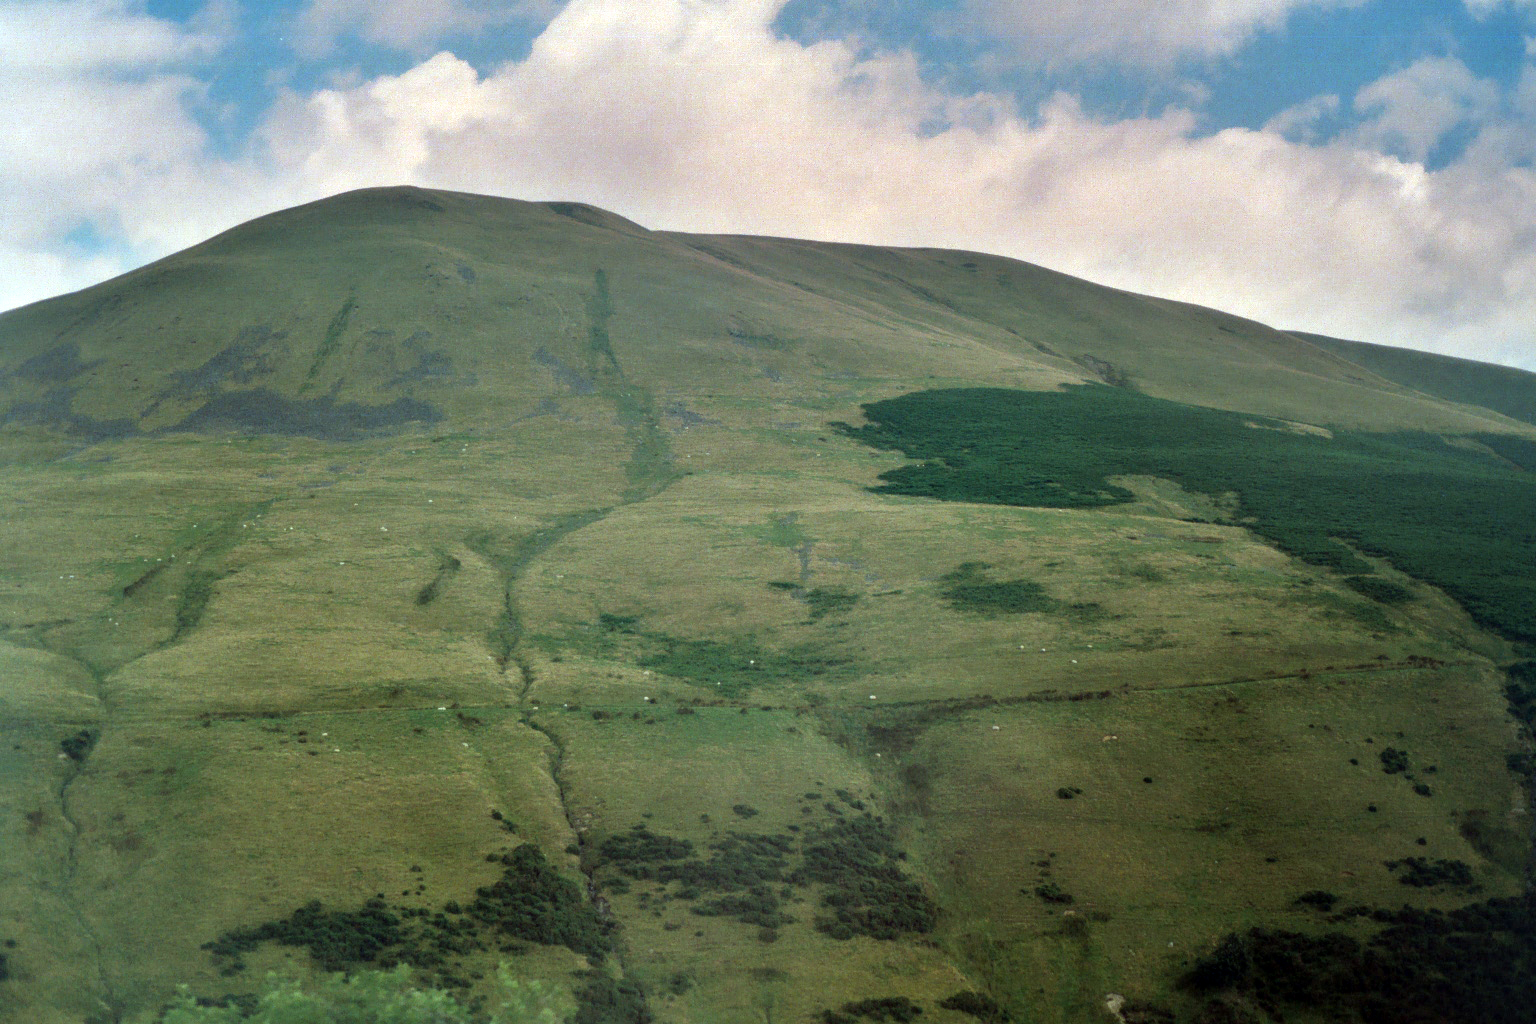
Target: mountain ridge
<point x="1028" y="323"/>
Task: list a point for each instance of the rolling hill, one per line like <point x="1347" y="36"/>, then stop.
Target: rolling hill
<point x="744" y="629"/>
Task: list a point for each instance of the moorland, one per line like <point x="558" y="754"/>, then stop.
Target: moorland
<point x="728" y="629"/>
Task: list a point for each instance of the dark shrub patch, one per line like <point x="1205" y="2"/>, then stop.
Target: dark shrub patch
<point x="76" y="747"/>
<point x="1475" y="965"/>
<point x="824" y="601"/>
<point x="531" y="901"/>
<point x="1378" y="589"/>
<point x="1226" y="967"/>
<point x="870" y="894"/>
<point x="968" y="589"/>
<point x="602" y="1000"/>
<point x="980" y="1006"/>
<point x="1394" y="761"/>
<point x="337" y="939"/>
<point x="641" y="845"/>
<point x="1422" y="873"/>
<point x="898" y="1009"/>
<point x="1317" y="899"/>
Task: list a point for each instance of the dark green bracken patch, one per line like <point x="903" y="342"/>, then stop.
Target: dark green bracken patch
<point x="1423" y="874"/>
<point x="968" y="589"/>
<point x="1393" y="761"/>
<point x="642" y="846"/>
<point x="1378" y="589"/>
<point x="1475" y="965"/>
<point x="531" y="902"/>
<point x="824" y="601"/>
<point x="605" y="1000"/>
<point x="1317" y="899"/>
<point x="1520" y="692"/>
<point x="733" y="667"/>
<point x="897" y="1009"/>
<point x="984" y="1008"/>
<point x="447" y="567"/>
<point x="1454" y="517"/>
<point x="870" y="894"/>
<point x="337" y="939"/>
<point x="748" y="877"/>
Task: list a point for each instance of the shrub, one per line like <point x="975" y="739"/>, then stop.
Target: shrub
<point x="982" y="1007"/>
<point x="1394" y="761"/>
<point x="1318" y="900"/>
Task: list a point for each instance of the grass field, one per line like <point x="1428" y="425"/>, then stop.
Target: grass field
<point x="629" y="572"/>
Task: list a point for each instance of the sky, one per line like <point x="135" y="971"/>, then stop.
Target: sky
<point x="1359" y="168"/>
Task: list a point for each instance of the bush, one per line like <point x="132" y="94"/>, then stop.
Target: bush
<point x="982" y="1007"/>
<point x="968" y="589"/>
<point x="1318" y="899"/>
<point x="1394" y="761"/>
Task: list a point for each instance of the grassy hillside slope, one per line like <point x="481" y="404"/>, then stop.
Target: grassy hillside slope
<point x="1501" y="388"/>
<point x="416" y="577"/>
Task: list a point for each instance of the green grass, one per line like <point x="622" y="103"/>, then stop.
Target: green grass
<point x="1500" y="388"/>
<point x="477" y="548"/>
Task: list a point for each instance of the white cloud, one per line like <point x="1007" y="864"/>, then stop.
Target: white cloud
<point x="1486" y="8"/>
<point x="72" y="36"/>
<point x="95" y="119"/>
<point x="1153" y="32"/>
<point x="1410" y="111"/>
<point x="1303" y="122"/>
<point x="408" y="25"/>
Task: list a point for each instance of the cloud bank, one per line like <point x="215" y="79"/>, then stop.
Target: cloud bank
<point x="697" y="115"/>
<point x="1135" y="30"/>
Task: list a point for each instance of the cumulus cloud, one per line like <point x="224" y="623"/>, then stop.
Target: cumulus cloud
<point x="1306" y="121"/>
<point x="407" y="25"/>
<point x="96" y="113"/>
<point x="60" y="37"/>
<point x="1152" y="32"/>
<point x="1409" y="112"/>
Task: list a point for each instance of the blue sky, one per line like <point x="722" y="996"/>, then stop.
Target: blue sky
<point x="1354" y="167"/>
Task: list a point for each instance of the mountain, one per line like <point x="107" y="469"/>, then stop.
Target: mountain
<point x="730" y="628"/>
